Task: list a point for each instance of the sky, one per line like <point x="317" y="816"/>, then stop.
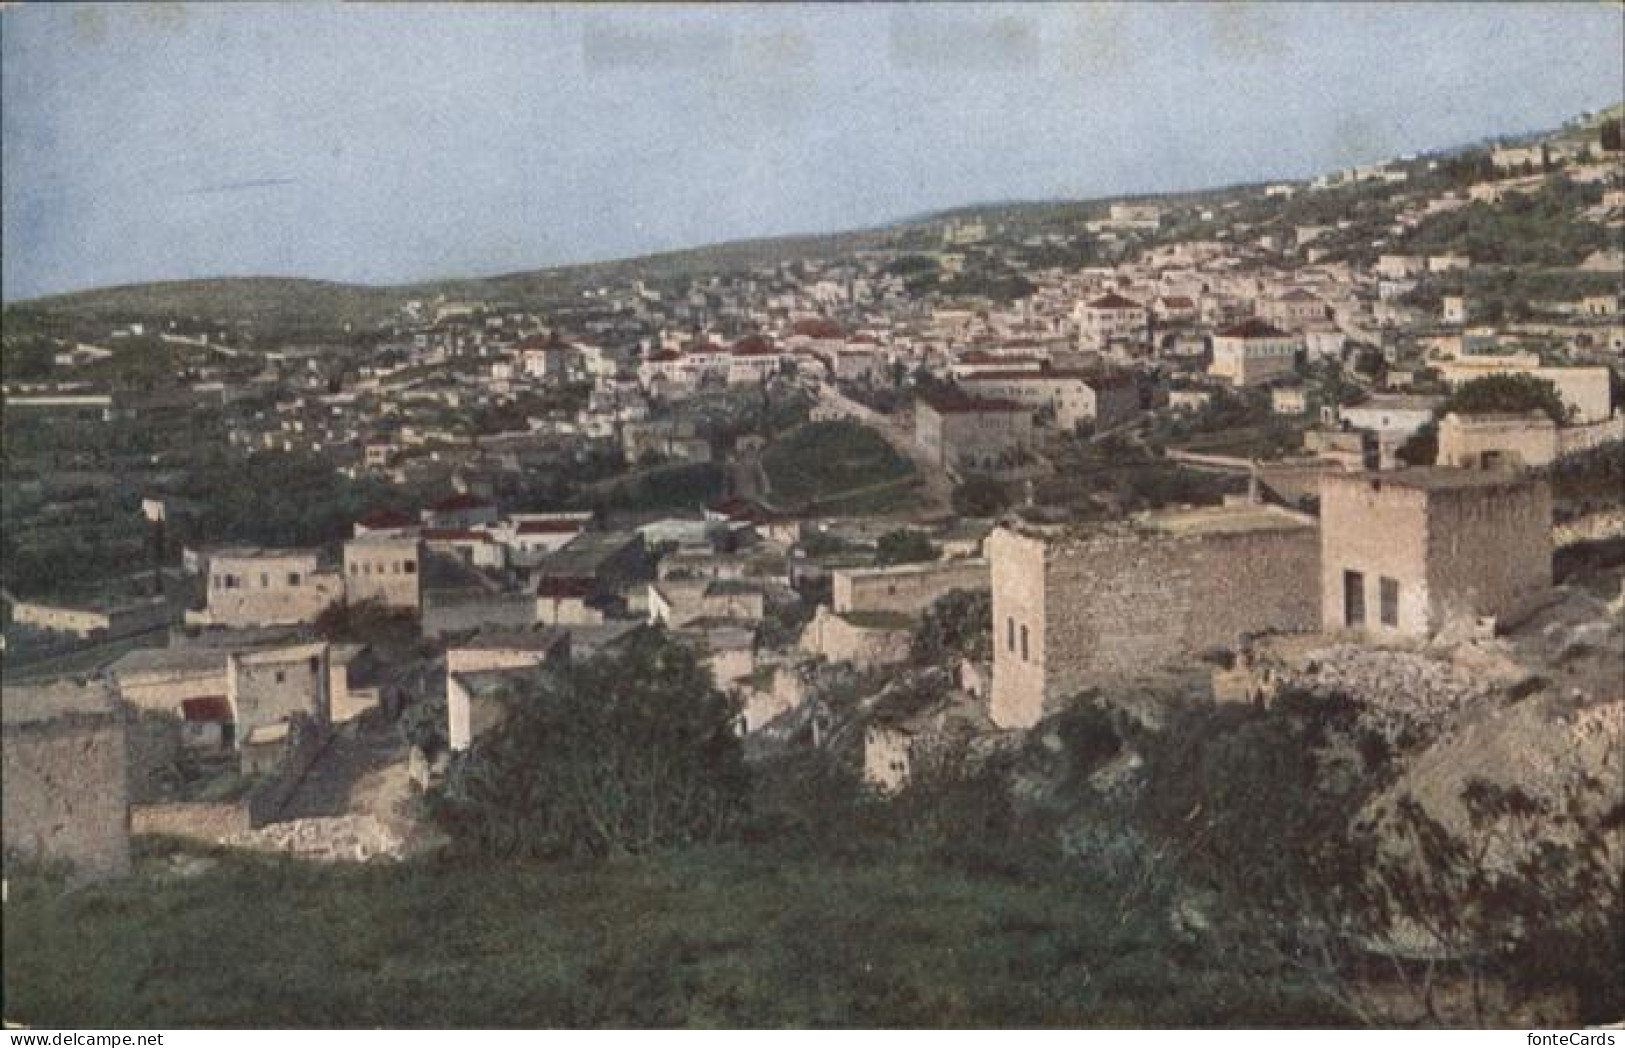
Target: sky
<point x="392" y="143"/>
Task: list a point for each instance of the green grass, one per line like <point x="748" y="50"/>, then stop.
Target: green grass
<point x="820" y="462"/>
<point x="721" y="938"/>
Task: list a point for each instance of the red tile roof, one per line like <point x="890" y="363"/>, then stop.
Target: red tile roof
<point x="563" y="587"/>
<point x="1112" y="300"/>
<point x="819" y="327"/>
<point x="379" y="519"/>
<point x="959" y="402"/>
<point x="1252" y="328"/>
<point x="550" y="527"/>
<point x="455" y="535"/>
<point x="453" y="503"/>
<point x="208" y="709"/>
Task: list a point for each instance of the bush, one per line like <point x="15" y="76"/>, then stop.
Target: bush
<point x="958" y="625"/>
<point x="980" y="497"/>
<point x="904" y="547"/>
<point x="623" y="753"/>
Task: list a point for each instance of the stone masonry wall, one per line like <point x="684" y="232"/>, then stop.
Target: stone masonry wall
<point x="1489" y="550"/>
<point x="66" y="798"/>
<point x="1379" y="531"/>
<point x="1123" y="605"/>
<point x="909" y="589"/>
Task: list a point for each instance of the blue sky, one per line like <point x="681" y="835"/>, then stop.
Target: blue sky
<point x="385" y="143"/>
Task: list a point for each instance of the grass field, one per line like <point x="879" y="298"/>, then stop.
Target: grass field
<point x="824" y="462"/>
<point x="726" y="937"/>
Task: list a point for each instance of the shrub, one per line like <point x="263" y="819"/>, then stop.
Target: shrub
<point x="623" y="753"/>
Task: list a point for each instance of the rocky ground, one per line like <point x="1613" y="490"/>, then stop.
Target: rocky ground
<point x="336" y="838"/>
<point x="1539" y="708"/>
<point x="355" y="804"/>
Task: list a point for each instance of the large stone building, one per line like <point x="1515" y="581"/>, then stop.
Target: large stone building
<point x="259" y="587"/>
<point x="384" y="568"/>
<point x="1112" y="318"/>
<point x="1411" y="550"/>
<point x="1252" y="352"/>
<point x="67" y="792"/>
<point x="1117" y="602"/>
<point x="965" y="433"/>
<point x="1102" y="398"/>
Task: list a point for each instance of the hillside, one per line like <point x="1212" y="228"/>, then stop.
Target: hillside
<point x="281" y="304"/>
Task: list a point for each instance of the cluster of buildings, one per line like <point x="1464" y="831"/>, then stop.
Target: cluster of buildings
<point x="1356" y="344"/>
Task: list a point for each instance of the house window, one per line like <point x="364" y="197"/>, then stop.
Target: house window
<point x="281" y="676"/>
<point x="265" y="580"/>
<point x="1010" y="635"/>
<point x="293" y="578"/>
<point x="1353" y="598"/>
<point x="1388" y="595"/>
<point x="1024" y="644"/>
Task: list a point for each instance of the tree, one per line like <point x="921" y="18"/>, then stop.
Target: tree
<point x="980" y="497"/>
<point x="1509" y="394"/>
<point x="1422" y="447"/>
<point x="903" y="547"/>
<point x="958" y="625"/>
<point x="623" y="753"/>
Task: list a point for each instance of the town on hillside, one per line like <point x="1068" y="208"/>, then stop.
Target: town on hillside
<point x="1184" y="539"/>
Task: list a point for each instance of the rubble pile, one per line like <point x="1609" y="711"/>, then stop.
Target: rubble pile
<point x="342" y="838"/>
<point x="1406" y="696"/>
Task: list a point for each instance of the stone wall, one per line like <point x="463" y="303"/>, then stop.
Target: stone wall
<point x="1125" y="603"/>
<point x="66" y="796"/>
<point x="266" y="687"/>
<point x="1490" y="552"/>
<point x="1379" y="530"/>
<point x="1573" y="439"/>
<point x="165" y="690"/>
<point x="269" y="590"/>
<point x="1455" y="547"/>
<point x="1593" y="527"/>
<point x="385" y="570"/>
<point x="1473" y="443"/>
<point x="198" y="821"/>
<point x="838" y="640"/>
<point x="906" y="588"/>
<point x="446" y="613"/>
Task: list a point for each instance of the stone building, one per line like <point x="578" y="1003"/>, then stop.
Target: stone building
<point x="1112" y="318"/>
<point x="865" y="639"/>
<point x="961" y="432"/>
<point x="481" y="668"/>
<point x="908" y="589"/>
<point x="67" y="792"/>
<point x="1252" y="352"/>
<point x="1497" y="441"/>
<point x="1411" y="550"/>
<point x="386" y="569"/>
<point x="1102" y="398"/>
<point x="261" y="587"/>
<point x="267" y="689"/>
<point x="1073" y="610"/>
